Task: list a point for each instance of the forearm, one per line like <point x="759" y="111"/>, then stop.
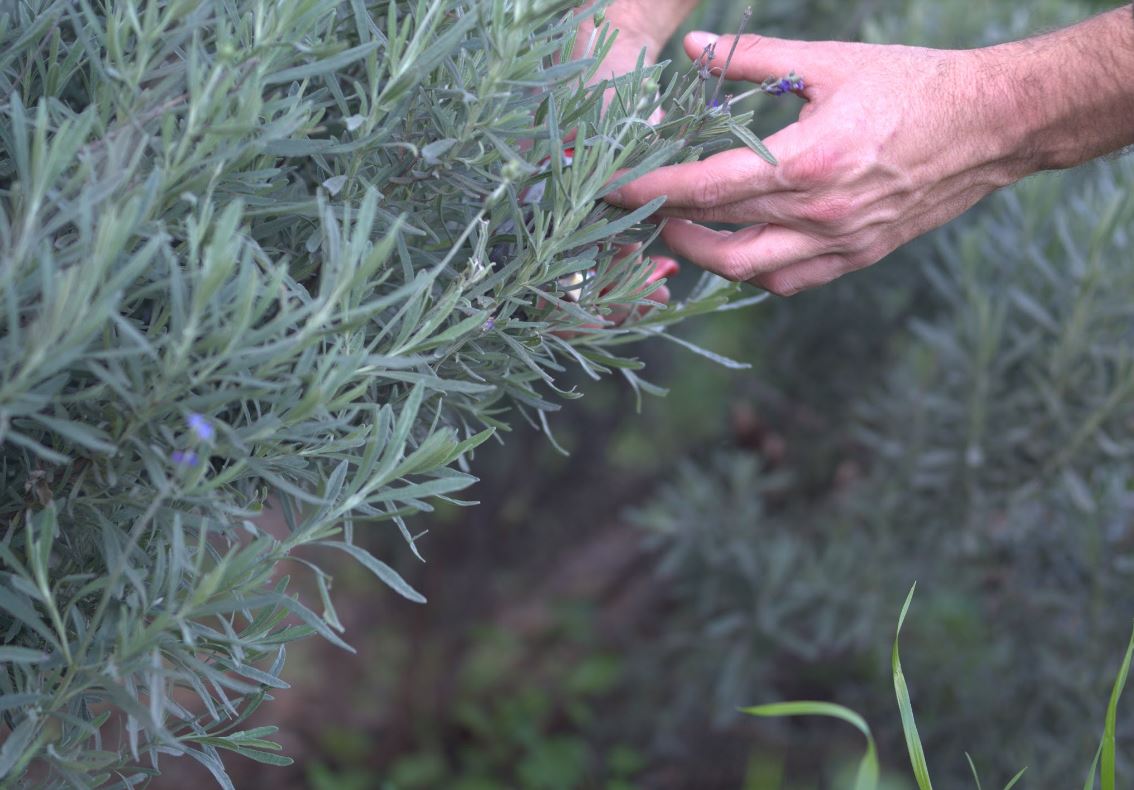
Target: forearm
<point x="1069" y="95"/>
<point x="647" y="24"/>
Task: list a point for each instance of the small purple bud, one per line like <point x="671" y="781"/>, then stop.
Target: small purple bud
<point x="488" y="325"/>
<point x="201" y="426"/>
<point x="721" y="104"/>
<point x="184" y="457"/>
<point x="792" y="83"/>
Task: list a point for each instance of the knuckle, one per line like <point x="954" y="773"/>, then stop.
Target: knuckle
<point x="707" y="193"/>
<point x="828" y="210"/>
<point x="779" y="283"/>
<point x="734" y="266"/>
<point x="866" y="251"/>
<point x="814" y="167"/>
<point x="872" y="254"/>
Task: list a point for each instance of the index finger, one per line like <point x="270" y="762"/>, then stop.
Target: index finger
<point x="727" y="177"/>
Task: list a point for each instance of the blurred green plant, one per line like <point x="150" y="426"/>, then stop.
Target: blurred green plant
<point x="992" y="457"/>
<point x="868" y="773"/>
<point x="516" y="721"/>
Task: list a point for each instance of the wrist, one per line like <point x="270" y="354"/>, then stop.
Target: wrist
<point x="978" y="119"/>
<point x="1066" y="97"/>
<point x="998" y="116"/>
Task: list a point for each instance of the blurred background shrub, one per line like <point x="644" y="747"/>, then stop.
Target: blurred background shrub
<point x="959" y="415"/>
<point x="992" y="462"/>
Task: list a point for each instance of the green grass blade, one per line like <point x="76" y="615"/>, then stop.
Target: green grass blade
<point x="867" y="775"/>
<point x="976" y="778"/>
<point x="1015" y="779"/>
<point x="1108" y="755"/>
<point x="909" y="726"/>
<point x="972" y="767"/>
<point x="1090" y="783"/>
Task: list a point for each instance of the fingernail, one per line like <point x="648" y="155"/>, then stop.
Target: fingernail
<point x="615" y="197"/>
<point x="701" y="39"/>
<point x="664" y="268"/>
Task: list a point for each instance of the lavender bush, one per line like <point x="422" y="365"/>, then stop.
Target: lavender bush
<point x="282" y="259"/>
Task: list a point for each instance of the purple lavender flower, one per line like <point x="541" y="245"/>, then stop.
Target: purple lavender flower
<point x="792" y="83"/>
<point x="201" y="427"/>
<point x="488" y="325"/>
<point x="184" y="457"/>
<point x="721" y="104"/>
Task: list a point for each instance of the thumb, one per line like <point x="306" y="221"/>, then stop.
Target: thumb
<point x="759" y="57"/>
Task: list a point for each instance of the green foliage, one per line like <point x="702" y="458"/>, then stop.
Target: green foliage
<point x="939" y="25"/>
<point x="868" y="773"/>
<point x="516" y="720"/>
<point x="1029" y="384"/>
<point x="277" y="261"/>
<point x="991" y="458"/>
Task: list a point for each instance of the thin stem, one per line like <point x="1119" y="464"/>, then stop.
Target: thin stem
<point x="728" y="61"/>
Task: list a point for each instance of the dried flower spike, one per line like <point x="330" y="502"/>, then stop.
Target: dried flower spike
<point x="732" y="50"/>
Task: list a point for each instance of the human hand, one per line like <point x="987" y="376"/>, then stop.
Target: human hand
<point x="893" y="141"/>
